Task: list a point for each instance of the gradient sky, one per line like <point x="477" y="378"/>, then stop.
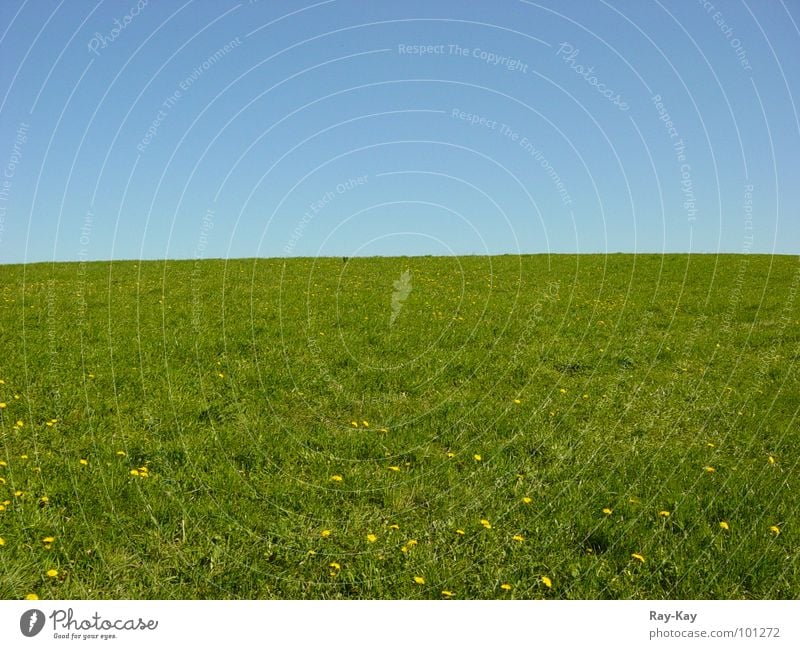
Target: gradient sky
<point x="240" y="129"/>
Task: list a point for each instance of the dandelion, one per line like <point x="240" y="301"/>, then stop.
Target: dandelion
<point x="724" y="525"/>
<point x="562" y="391"/>
<point x="486" y="524"/>
<point x="325" y="534"/>
<point x="121" y="453"/>
<point x="43" y="501"/>
<point x="372" y="538"/>
<point x="527" y="500"/>
<point x="384" y="430"/>
<point x="477" y="457"/>
<point x="2" y="541"/>
<point x="608" y="511"/>
<point x="448" y="593"/>
<point x="775" y="529"/>
<point x="3" y="463"/>
<point x="334" y="565"/>
<point x="518" y="537"/>
<point x="52" y="572"/>
<point x="771" y="460"/>
<point x="710" y="445"/>
<point x="411" y="543"/>
<point x="354" y="424"/>
<point x="134" y="472"/>
<point x="394" y="468"/>
<point x="48" y="539"/>
<point x="585" y="396"/>
<point x="460" y="532"/>
<point x="394" y="526"/>
<point x="2" y="508"/>
<point x="337" y="478"/>
<point x="506" y="586"/>
<point x="419" y="580"/>
<point x="84" y="462"/>
<point x="366" y="423"/>
<point x="638" y="557"/>
<point x="546" y="581"/>
<point x="709" y="469"/>
<point x="664" y="513"/>
<point x="31" y="596"/>
<point x="2" y="405"/>
<point x="220" y="375"/>
<point x="24" y="456"/>
<point x="517" y="401"/>
<point x="451" y="454"/>
<point x="20" y="423"/>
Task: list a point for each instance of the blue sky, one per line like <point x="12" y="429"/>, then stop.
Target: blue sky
<point x="138" y="129"/>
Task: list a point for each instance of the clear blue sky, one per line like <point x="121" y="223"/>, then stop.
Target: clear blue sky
<point x="138" y="129"/>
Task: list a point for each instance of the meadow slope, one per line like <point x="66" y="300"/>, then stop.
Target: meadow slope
<point x="479" y="427"/>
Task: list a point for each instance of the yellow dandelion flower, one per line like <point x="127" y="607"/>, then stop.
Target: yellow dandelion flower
<point x="461" y="532"/>
<point x="404" y="548"/>
<point x="585" y="396"/>
<point x="220" y="375"/>
<point x="43" y="501"/>
<point x="394" y="468"/>
<point x="562" y="391"/>
<point x="517" y="401"/>
<point x="84" y="462"/>
<point x="710" y="469"/>
<point x="337" y="478"/>
<point x="448" y="593"/>
<point x="20" y="423"/>
<point x="134" y="472"/>
<point x="24" y="456"/>
<point x="354" y="424"/>
<point x="335" y="565"/>
<point x="608" y="511"/>
<point x="2" y="382"/>
<point x="771" y="460"/>
<point x="325" y="534"/>
<point x="724" y="525"/>
<point x="2" y="508"/>
<point x="527" y="500"/>
<point x="2" y="405"/>
<point x="52" y="572"/>
<point x="477" y="457"/>
<point x="48" y="539"/>
<point x="486" y="524"/>
<point x="664" y="513"/>
<point x="518" y="537"/>
<point x="411" y="543"/>
<point x="31" y="596"/>
<point x="419" y="580"/>
<point x="372" y="538"/>
<point x="638" y="557"/>
<point x="451" y="454"/>
<point x="121" y="453"/>
<point x="775" y="529"/>
<point x="506" y="586"/>
<point x="547" y="581"/>
<point x="366" y="423"/>
<point x="3" y="463"/>
<point x="2" y="541"/>
<point x="710" y="445"/>
<point x="311" y="553"/>
<point x="384" y="430"/>
<point x="394" y="526"/>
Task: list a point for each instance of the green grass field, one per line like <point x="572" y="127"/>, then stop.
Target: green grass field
<point x="496" y="427"/>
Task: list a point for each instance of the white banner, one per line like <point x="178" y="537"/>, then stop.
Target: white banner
<point x="379" y="624"/>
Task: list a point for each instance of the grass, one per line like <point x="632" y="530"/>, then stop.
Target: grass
<point x="172" y="430"/>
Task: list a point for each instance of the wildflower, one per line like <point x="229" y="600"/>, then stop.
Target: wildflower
<point x="486" y="524"/>
<point x="3" y="463"/>
<point x="325" y="534"/>
<point x="221" y="375"/>
<point x="2" y="508"/>
<point x="372" y="538"/>
<point x="2" y="405"/>
<point x="710" y="445"/>
<point x="451" y="454"/>
<point x="31" y="596"/>
<point x="527" y="500"/>
<point x="517" y="401"/>
<point x="461" y="532"/>
<point x="562" y="391"/>
<point x="134" y="471"/>
<point x="48" y="539"/>
<point x="664" y="513"/>
<point x="121" y="453"/>
<point x="771" y="460"/>
<point x="335" y="565"/>
<point x="775" y="529"/>
<point x="20" y="423"/>
<point x="2" y="541"/>
<point x="585" y="396"/>
<point x="366" y="423"/>
<point x="518" y="537"/>
<point x="546" y="581"/>
<point x="354" y="424"/>
<point x="477" y="457"/>
<point x="710" y="469"/>
<point x="638" y="557"/>
<point x="43" y="501"/>
<point x="505" y="586"/>
<point x="724" y="525"/>
<point x="384" y="430"/>
<point x="448" y="593"/>
<point x="52" y="572"/>
<point x="411" y="543"/>
<point x="394" y="526"/>
<point x="337" y="478"/>
<point x="23" y="456"/>
<point x="84" y="462"/>
<point x="608" y="511"/>
<point x="394" y="468"/>
<point x="419" y="580"/>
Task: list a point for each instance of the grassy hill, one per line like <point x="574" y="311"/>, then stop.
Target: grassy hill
<point x="489" y="427"/>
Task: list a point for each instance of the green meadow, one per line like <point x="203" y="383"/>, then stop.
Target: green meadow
<point x="570" y="427"/>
